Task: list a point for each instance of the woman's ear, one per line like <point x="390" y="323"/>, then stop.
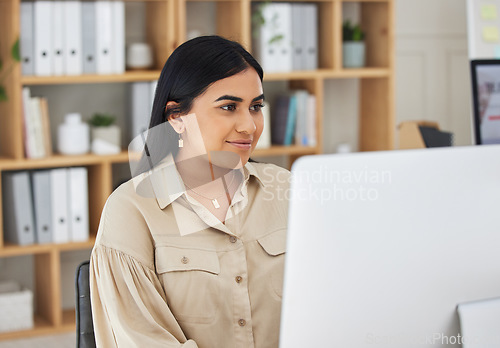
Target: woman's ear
<point x="174" y="118"/>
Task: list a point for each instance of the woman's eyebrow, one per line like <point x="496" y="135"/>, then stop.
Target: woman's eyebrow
<point x="237" y="99"/>
<point x="259" y="97"/>
<point x="229" y="97"/>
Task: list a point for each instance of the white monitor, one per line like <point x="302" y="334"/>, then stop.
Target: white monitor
<point x="382" y="246"/>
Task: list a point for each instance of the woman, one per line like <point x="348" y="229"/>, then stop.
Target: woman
<point x="190" y="252"/>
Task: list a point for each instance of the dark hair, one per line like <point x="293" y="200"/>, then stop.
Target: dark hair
<point x="188" y="72"/>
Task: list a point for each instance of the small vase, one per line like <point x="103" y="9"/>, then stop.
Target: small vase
<point x="73" y="135"/>
<point x="106" y="140"/>
<point x="353" y="54"/>
<point x="139" y="56"/>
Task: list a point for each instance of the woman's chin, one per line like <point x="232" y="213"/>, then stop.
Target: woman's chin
<point x="228" y="159"/>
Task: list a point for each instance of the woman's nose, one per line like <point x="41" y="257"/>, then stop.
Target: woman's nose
<point x="246" y="123"/>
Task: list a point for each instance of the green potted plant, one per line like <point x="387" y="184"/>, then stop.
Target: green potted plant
<point x="353" y="47"/>
<point x="105" y="134"/>
<point x="15" y="58"/>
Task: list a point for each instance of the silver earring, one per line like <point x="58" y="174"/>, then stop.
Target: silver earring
<point x="181" y="142"/>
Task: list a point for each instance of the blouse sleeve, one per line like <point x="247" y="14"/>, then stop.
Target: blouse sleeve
<point x="129" y="308"/>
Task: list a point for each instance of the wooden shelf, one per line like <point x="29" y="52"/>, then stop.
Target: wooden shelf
<point x="328" y="74"/>
<point x="129" y="76"/>
<point x="212" y="0"/>
<point x="62" y="161"/>
<point x="68" y="319"/>
<point x="41" y="327"/>
<point x="16" y="250"/>
<point x="285" y="150"/>
<point x="123" y="157"/>
<point x="134" y="76"/>
<point x="366" y="0"/>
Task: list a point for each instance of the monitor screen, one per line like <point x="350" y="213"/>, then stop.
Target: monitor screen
<point x="486" y="97"/>
<point x="383" y="246"/>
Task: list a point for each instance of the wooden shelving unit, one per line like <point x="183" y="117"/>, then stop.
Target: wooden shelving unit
<point x="166" y="30"/>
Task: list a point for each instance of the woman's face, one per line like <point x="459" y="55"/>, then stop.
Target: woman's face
<point x="229" y="114"/>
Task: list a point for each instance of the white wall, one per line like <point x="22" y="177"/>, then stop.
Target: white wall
<point x="432" y="71"/>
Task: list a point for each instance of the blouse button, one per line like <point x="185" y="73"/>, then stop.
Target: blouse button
<point x="242" y="322"/>
<point x="232" y="239"/>
<point x="238" y="279"/>
<point x="184" y="260"/>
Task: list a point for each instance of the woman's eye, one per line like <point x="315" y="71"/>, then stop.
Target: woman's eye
<point x="256" y="107"/>
<point x="230" y="107"/>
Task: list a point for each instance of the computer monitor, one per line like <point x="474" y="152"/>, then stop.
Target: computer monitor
<point x="382" y="246"/>
<point x="485" y="78"/>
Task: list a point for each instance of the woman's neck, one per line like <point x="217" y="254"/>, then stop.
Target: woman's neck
<point x="199" y="171"/>
<point x="212" y="186"/>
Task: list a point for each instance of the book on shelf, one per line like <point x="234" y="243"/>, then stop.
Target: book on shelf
<point x="77" y="193"/>
<point x="36" y="126"/>
<point x="141" y="103"/>
<point x="73" y="58"/>
<point x="40" y="185"/>
<point x="35" y="116"/>
<point x="272" y="39"/>
<point x="28" y="126"/>
<point x="293" y="119"/>
<point x="110" y="37"/>
<point x="310" y="37"/>
<point x="19" y="227"/>
<point x="88" y="37"/>
<point x="301" y="123"/>
<point x="298" y="47"/>
<point x="47" y="138"/>
<point x="72" y="37"/>
<point x="265" y="137"/>
<point x="26" y="38"/>
<point x="59" y="205"/>
<point x="118" y="43"/>
<point x="286" y="36"/>
<point x="311" y="120"/>
<point x="46" y="206"/>
<point x="279" y="119"/>
<point x="42" y="24"/>
<point x="58" y="37"/>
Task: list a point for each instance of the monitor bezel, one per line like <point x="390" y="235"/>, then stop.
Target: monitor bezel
<point x="474" y="64"/>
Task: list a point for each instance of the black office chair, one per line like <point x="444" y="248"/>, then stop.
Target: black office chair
<point x="84" y="325"/>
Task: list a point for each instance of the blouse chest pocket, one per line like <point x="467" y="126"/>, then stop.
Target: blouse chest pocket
<point x="274" y="244"/>
<point x="191" y="283"/>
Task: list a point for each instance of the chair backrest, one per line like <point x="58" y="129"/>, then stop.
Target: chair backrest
<point x="84" y="325"/>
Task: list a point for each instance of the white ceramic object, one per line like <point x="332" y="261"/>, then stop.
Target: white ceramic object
<point x="73" y="135"/>
<point x="344" y="148"/>
<point x="139" y="56"/>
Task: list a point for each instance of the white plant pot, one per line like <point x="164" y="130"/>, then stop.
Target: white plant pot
<point x="353" y="54"/>
<point x="106" y="140"/>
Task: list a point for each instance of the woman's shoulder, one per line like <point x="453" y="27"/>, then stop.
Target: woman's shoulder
<point x="122" y="197"/>
<point x="132" y="195"/>
<point x="123" y="227"/>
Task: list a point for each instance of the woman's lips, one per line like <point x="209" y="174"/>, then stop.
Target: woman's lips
<point x="241" y="144"/>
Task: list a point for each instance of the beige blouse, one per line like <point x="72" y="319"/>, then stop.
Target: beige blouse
<point x="165" y="273"/>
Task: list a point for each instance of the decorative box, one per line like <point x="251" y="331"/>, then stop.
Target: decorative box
<point x="16" y="307"/>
